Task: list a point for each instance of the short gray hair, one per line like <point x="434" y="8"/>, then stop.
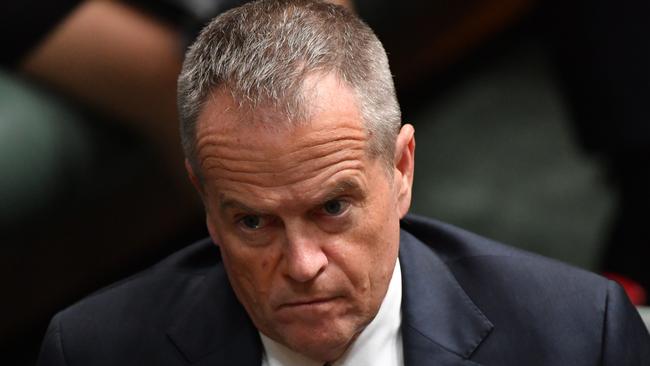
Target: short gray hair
<point x="262" y="52"/>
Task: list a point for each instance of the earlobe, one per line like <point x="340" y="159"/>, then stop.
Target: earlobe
<point x="404" y="167"/>
<point x="211" y="230"/>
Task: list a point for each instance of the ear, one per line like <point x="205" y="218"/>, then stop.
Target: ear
<point x="193" y="177"/>
<point x="211" y="229"/>
<point x="404" y="165"/>
<point x="209" y="222"/>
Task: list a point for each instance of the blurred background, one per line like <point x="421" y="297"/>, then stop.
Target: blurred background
<point x="531" y="120"/>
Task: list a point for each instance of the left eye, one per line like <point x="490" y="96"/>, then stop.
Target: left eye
<point x="251" y="222"/>
<point x="334" y="207"/>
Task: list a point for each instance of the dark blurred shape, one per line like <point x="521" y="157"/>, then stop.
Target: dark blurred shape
<point x="25" y="22"/>
<point x="84" y="203"/>
<point x="425" y="39"/>
<point x="603" y="57"/>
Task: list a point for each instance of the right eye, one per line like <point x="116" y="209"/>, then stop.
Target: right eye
<point x="252" y="222"/>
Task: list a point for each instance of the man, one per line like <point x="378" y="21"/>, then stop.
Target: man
<point x="292" y="135"/>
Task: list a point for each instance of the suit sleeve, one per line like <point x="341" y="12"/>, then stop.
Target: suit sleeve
<point x="52" y="348"/>
<point x="626" y="341"/>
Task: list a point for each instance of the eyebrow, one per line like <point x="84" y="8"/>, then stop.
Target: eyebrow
<point x="345" y="186"/>
<point x="226" y="203"/>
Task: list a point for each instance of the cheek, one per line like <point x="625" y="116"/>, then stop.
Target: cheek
<point x="249" y="273"/>
<point x="367" y="257"/>
<point x="371" y="258"/>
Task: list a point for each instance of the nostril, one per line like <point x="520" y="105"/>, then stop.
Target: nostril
<point x="304" y="266"/>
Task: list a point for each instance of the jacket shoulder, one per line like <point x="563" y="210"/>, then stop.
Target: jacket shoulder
<point x="539" y="306"/>
<point x="165" y="278"/>
<point x="130" y="318"/>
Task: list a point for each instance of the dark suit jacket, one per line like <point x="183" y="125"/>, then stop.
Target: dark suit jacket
<point x="466" y="301"/>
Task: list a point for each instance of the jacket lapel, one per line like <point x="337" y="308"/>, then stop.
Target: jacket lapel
<point x="440" y="323"/>
<point x="214" y="329"/>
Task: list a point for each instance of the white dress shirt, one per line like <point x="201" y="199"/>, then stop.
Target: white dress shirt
<point x="379" y="344"/>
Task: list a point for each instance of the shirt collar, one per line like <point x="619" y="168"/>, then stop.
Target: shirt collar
<point x="380" y="343"/>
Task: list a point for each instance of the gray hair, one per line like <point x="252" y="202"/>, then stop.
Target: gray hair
<point x="262" y="52"/>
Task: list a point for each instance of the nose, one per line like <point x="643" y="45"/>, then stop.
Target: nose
<point x="304" y="258"/>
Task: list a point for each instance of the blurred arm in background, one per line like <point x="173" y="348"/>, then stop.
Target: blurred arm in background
<point x="120" y="60"/>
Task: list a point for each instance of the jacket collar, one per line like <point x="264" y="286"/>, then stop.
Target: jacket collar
<point x="440" y="324"/>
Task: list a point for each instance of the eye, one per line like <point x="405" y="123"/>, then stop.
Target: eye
<point x="335" y="207"/>
<point x="251" y="222"/>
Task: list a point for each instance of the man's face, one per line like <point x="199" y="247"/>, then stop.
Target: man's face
<point x="307" y="222"/>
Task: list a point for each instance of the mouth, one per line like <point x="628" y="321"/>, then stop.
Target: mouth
<point x="314" y="311"/>
<point x="308" y="302"/>
<point x="321" y="303"/>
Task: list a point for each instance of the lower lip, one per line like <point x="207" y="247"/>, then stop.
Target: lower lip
<point x="314" y="306"/>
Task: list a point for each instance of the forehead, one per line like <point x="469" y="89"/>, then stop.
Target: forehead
<point x="259" y="150"/>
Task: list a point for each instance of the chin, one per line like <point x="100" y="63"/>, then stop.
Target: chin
<point x="325" y="345"/>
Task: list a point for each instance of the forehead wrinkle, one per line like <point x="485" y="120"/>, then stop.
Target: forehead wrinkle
<point x="267" y="166"/>
<point x="269" y="180"/>
<point x="291" y="173"/>
<point x="224" y="141"/>
<point x="319" y="154"/>
<point x="234" y="156"/>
